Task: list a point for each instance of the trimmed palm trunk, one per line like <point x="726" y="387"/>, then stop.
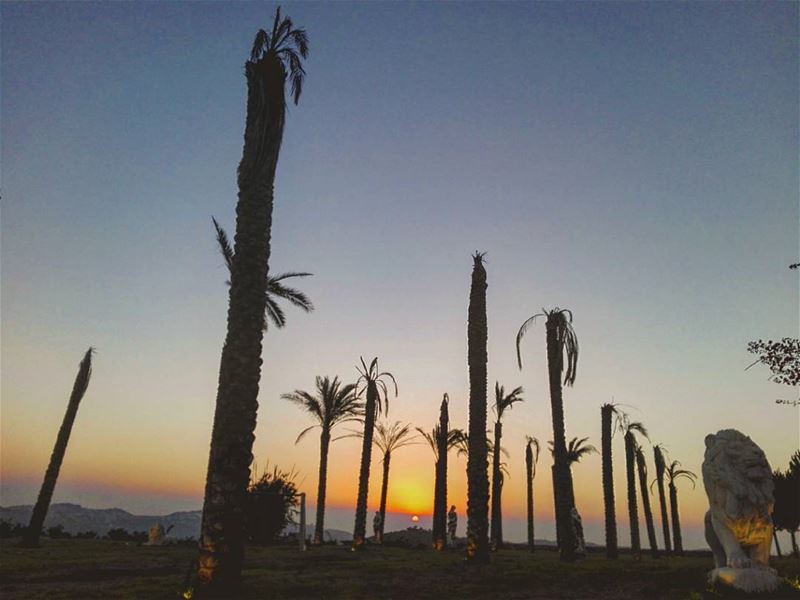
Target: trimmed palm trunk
<point x="529" y="489"/>
<point x="384" y="491"/>
<point x="633" y="512"/>
<point x="777" y="545"/>
<point x="795" y="549"/>
<point x="606" y="415"/>
<point x="34" y="530"/>
<point x="497" y="486"/>
<point x="319" y="527"/>
<point x="676" y="521"/>
<point x="648" y="513"/>
<point x="661" y="466"/>
<point x="440" y="484"/>
<point x="359" y="532"/>
<point x="477" y="463"/>
<point x="556" y="507"/>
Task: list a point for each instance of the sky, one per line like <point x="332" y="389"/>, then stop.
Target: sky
<point x="636" y="163"/>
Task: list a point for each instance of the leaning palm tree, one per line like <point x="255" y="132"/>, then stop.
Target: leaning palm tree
<point x="388" y="439"/>
<point x="333" y="404"/>
<point x="673" y="474"/>
<point x="275" y="286"/>
<point x="274" y="57"/>
<point x="561" y="342"/>
<point x="661" y="467"/>
<point x="531" y="458"/>
<point x="502" y="402"/>
<point x="608" y="412"/>
<point x="629" y="428"/>
<point x="371" y="382"/>
<point x="641" y="467"/>
<point x="31" y="537"/>
<point x="477" y="460"/>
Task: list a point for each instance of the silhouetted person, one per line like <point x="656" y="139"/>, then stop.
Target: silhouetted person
<point x="452" y="524"/>
<point x="377" y="521"/>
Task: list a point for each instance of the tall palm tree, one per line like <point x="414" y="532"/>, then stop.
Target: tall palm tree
<point x="608" y="412"/>
<point x="661" y="467"/>
<point x="673" y="474"/>
<point x="333" y="404"/>
<point x="388" y="439"/>
<point x="531" y="458"/>
<point x="274" y="57"/>
<point x="477" y="460"/>
<point x="275" y="287"/>
<point x="440" y="445"/>
<point x="561" y="342"/>
<point x="372" y="383"/>
<point x="641" y="467"/>
<point x="630" y="428"/>
<point x="576" y="450"/>
<point x="31" y="537"/>
<point x="502" y="402"/>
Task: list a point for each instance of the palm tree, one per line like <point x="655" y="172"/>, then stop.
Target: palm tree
<point x="673" y="474"/>
<point x="561" y="341"/>
<point x="629" y="428"/>
<point x="477" y="460"/>
<point x="274" y="57"/>
<point x="661" y="467"/>
<point x="275" y="287"/>
<point x="31" y="536"/>
<point x="502" y="401"/>
<point x="531" y="458"/>
<point x="641" y="467"/>
<point x="334" y="404"/>
<point x="389" y="438"/>
<point x="607" y="413"/>
<point x="576" y="450"/>
<point x="377" y="403"/>
<point x="440" y="445"/>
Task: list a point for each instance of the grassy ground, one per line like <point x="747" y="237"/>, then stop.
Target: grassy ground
<point x="104" y="569"/>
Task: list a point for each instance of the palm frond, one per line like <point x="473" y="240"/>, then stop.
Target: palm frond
<point x="224" y="245"/>
<point x="521" y="333"/>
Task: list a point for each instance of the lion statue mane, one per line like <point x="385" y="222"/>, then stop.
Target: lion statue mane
<point x="738" y="481"/>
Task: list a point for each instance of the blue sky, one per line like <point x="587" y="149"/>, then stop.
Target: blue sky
<point x="635" y="162"/>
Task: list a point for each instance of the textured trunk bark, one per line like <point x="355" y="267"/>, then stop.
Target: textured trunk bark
<point x="529" y="488"/>
<point x="662" y="498"/>
<point x="477" y="463"/>
<point x="319" y="527"/>
<point x="648" y="513"/>
<point x="606" y="414"/>
<point x="633" y="512"/>
<point x="556" y="507"/>
<point x="384" y="491"/>
<point x="676" y="521"/>
<point x="497" y="509"/>
<point x="359" y="532"/>
<point x="34" y="530"/>
<point x="222" y="529"/>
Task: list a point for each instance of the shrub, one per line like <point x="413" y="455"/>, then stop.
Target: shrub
<point x="270" y="505"/>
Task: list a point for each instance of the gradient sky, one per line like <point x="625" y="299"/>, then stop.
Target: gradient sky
<point x="634" y="162"/>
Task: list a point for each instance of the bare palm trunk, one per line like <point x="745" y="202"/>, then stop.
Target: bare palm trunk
<point x="440" y="484"/>
<point x="319" y="527"/>
<point x="777" y="545"/>
<point x="222" y="531"/>
<point x="477" y="463"/>
<point x="529" y="489"/>
<point x="648" y="513"/>
<point x="662" y="497"/>
<point x="34" y="530"/>
<point x="556" y="507"/>
<point x="795" y="550"/>
<point x="359" y="532"/>
<point x="384" y="491"/>
<point x="606" y="413"/>
<point x="497" y="485"/>
<point x="676" y="521"/>
<point x="633" y="512"/>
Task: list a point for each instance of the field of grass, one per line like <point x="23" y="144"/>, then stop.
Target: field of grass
<point x="104" y="569"/>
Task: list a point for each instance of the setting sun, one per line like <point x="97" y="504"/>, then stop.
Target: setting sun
<point x="415" y="518"/>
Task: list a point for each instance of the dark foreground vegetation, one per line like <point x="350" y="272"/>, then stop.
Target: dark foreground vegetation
<point x="108" y="569"/>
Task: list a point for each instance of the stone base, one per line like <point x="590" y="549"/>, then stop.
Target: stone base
<point x="752" y="580"/>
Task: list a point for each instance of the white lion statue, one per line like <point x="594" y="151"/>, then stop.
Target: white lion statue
<point x="738" y="526"/>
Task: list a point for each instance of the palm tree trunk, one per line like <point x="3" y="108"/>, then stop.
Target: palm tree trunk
<point x="497" y="515"/>
<point x="556" y="507"/>
<point x="34" y="530"/>
<point x="633" y="512"/>
<point x="676" y="521"/>
<point x="222" y="530"/>
<point x="477" y="463"/>
<point x="795" y="550"/>
<point x="319" y="528"/>
<point x="662" y="498"/>
<point x="440" y="484"/>
<point x="648" y="513"/>
<point x="563" y="477"/>
<point x="359" y="532"/>
<point x="529" y="487"/>
<point x="384" y="490"/>
<point x="606" y="413"/>
<point x="777" y="545"/>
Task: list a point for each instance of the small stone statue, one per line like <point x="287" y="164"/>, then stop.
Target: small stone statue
<point x="452" y="524"/>
<point x="577" y="525"/>
<point x="377" y="522"/>
<point x="738" y="525"/>
<point x="155" y="537"/>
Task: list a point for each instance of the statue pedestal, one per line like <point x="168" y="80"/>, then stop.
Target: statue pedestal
<point x="751" y="580"/>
